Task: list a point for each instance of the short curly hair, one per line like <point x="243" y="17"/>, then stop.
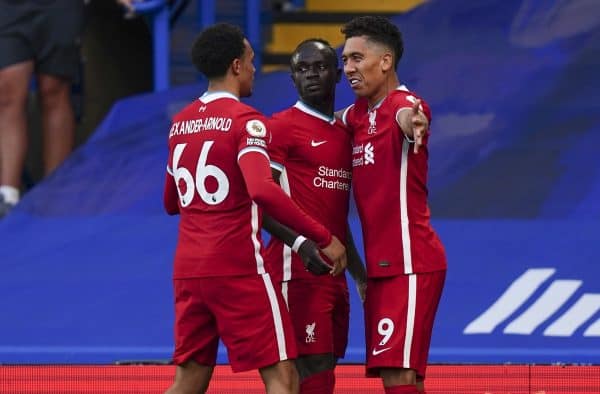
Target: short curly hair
<point x="377" y="29"/>
<point x="215" y="48"/>
<point x="332" y="53"/>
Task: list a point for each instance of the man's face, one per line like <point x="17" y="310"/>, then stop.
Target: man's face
<point x="363" y="62"/>
<point x="247" y="70"/>
<point x="314" y="73"/>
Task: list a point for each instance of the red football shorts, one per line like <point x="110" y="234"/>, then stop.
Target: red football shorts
<point x="399" y="314"/>
<point x="246" y="312"/>
<point x="319" y="308"/>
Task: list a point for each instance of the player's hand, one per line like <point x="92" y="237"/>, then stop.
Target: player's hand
<point x="419" y="124"/>
<point x="311" y="257"/>
<point x="336" y="252"/>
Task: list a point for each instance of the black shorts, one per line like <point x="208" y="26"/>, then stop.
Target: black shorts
<point x="45" y="31"/>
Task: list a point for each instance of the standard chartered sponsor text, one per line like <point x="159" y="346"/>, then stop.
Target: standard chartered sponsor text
<point x="332" y="178"/>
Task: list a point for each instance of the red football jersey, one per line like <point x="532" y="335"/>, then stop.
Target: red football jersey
<point x="219" y="225"/>
<point x="390" y="189"/>
<point x="313" y="153"/>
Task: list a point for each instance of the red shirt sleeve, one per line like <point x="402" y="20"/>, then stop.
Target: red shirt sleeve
<point x="170" y="195"/>
<point x="426" y="110"/>
<point x="267" y="194"/>
<point x="279" y="146"/>
<point x="171" y="198"/>
<point x="407" y="102"/>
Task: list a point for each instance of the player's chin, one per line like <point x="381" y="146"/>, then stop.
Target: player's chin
<point x="313" y="96"/>
<point x="315" y="88"/>
<point x="359" y="90"/>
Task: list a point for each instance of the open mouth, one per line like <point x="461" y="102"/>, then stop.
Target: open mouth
<point x="353" y="81"/>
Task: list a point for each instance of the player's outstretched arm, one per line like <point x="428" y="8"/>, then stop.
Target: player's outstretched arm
<point x="356" y="268"/>
<point x="414" y="123"/>
<point x="266" y="193"/>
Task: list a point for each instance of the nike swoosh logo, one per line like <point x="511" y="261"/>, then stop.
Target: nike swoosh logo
<point x="315" y="144"/>
<point x="376" y="352"/>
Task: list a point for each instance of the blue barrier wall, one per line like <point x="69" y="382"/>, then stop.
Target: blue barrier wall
<point x="85" y="259"/>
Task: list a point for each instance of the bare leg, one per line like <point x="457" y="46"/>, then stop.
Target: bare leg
<point x="14" y="87"/>
<point x="58" y="120"/>
<point x="191" y="378"/>
<point x="316" y="373"/>
<point x="398" y="377"/>
<point x="315" y="363"/>
<point x="280" y="378"/>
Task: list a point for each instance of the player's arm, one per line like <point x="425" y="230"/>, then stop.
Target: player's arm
<point x="414" y="123"/>
<point x="341" y="114"/>
<point x="170" y="196"/>
<point x="356" y="268"/>
<point x="306" y="248"/>
<point x="254" y="164"/>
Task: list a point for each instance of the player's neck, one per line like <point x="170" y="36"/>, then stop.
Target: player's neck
<point x="390" y="84"/>
<point x="223" y="85"/>
<point x="326" y="108"/>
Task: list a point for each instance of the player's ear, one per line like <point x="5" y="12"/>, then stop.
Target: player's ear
<point x="236" y="66"/>
<point x="338" y="75"/>
<point x="386" y="61"/>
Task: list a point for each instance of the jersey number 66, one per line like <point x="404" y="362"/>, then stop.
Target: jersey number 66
<point x="203" y="171"/>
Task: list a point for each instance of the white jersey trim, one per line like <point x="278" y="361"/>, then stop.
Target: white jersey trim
<point x="277" y="321"/>
<point x="345" y="113"/>
<point x="284" y="182"/>
<point x="209" y="97"/>
<point x="404" y="223"/>
<point x="313" y="112"/>
<point x="277" y="166"/>
<point x="260" y="264"/>
<point x="253" y="149"/>
<point x="410" y="319"/>
<point x="170" y="171"/>
<point x="284" y="292"/>
<point x="260" y="268"/>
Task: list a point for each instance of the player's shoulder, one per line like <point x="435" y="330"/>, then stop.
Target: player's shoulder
<point x="348" y="114"/>
<point x="251" y="121"/>
<point x="245" y="112"/>
<point x="286" y="115"/>
<point x="361" y="103"/>
<point x="280" y="122"/>
<point x="404" y="96"/>
<point x="189" y="111"/>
